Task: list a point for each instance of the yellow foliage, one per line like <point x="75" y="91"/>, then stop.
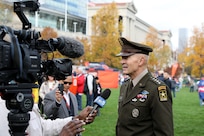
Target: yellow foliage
<point x="106" y="30"/>
<point x="161" y="55"/>
<point x="193" y="55"/>
<point x="48" y="33"/>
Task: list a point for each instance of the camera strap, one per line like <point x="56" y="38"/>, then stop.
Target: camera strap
<point x="16" y="54"/>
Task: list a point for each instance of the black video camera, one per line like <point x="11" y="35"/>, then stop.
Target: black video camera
<point x="21" y="66"/>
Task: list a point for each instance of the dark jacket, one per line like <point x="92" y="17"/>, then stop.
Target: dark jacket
<point x="53" y="110"/>
<point x="168" y="82"/>
<point x="147" y="109"/>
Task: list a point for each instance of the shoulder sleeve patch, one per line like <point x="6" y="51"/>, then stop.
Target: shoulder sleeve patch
<point x="162" y="93"/>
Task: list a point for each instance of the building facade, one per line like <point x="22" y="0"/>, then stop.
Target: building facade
<point x="134" y="28"/>
<point x="64" y="15"/>
<point x="74" y="16"/>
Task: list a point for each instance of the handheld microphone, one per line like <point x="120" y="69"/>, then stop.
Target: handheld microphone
<point x="68" y="46"/>
<point x="100" y="101"/>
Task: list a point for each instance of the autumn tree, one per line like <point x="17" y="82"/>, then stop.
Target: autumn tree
<point x="48" y="33"/>
<point x="161" y="55"/>
<point x="105" y="33"/>
<point x="193" y="55"/>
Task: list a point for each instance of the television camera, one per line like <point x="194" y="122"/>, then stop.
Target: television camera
<point x="21" y="66"/>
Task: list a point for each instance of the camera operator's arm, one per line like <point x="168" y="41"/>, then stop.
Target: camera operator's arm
<point x="67" y="126"/>
<point x="71" y="127"/>
<point x="45" y="127"/>
<point x="52" y="102"/>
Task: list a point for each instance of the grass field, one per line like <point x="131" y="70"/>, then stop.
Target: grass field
<point x="188" y="115"/>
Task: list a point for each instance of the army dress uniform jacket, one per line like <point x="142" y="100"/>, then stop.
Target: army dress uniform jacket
<point x="146" y="110"/>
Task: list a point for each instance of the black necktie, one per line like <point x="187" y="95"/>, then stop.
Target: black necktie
<point x="130" y="86"/>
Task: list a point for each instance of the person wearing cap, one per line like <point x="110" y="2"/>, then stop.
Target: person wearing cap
<point x="145" y="102"/>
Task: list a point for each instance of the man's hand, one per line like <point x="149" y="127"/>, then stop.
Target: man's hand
<point x="58" y="96"/>
<point x="86" y="116"/>
<point x="72" y="128"/>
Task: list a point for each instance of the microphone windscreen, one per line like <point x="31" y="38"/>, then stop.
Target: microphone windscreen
<point x="106" y="93"/>
<point x="72" y="48"/>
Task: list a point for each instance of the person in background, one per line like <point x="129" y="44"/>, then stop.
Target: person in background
<point x="145" y="102"/>
<point x="171" y="83"/>
<point x="47" y="86"/>
<point x="126" y="77"/>
<point x="167" y="80"/>
<point x="90" y="88"/>
<point x="98" y="88"/>
<point x="201" y="91"/>
<point x="180" y="82"/>
<point x="173" y="86"/>
<point x="80" y="87"/>
<point x="61" y="103"/>
<point x="73" y="86"/>
<point x="160" y="75"/>
<point x="192" y="84"/>
<point x="98" y="91"/>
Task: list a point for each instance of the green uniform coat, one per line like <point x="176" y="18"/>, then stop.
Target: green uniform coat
<point x="145" y="110"/>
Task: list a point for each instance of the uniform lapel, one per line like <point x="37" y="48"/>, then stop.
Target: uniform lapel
<point x="132" y="93"/>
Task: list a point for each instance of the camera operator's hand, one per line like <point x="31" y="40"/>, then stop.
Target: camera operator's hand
<point x="86" y="116"/>
<point x="58" y="96"/>
<point x="72" y="128"/>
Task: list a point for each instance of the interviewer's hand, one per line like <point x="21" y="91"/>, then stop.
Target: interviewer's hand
<point x="91" y="117"/>
<point x="72" y="128"/>
<point x="86" y="116"/>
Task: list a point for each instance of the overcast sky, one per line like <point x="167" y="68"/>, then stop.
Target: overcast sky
<point x="171" y="14"/>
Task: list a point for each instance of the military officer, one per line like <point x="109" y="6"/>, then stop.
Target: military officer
<point x="145" y="103"/>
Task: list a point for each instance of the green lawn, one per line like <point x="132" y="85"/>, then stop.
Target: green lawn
<point x="188" y="115"/>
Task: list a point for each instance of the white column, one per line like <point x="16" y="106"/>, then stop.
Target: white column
<point x="60" y="23"/>
<point x="125" y="26"/>
<point x="75" y="23"/>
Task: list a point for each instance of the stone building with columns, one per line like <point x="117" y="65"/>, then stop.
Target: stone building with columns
<point x="134" y="28"/>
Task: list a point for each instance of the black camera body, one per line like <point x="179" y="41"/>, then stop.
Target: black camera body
<point x="21" y="67"/>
